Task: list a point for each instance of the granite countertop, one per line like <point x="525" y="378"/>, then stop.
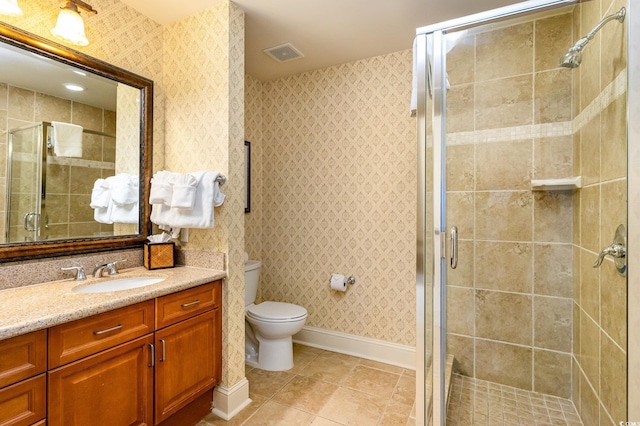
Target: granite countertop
<point x="34" y="307"/>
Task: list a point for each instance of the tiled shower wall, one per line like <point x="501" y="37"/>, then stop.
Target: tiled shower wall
<point x="509" y="121"/>
<point x="69" y="180"/>
<point x="600" y="149"/>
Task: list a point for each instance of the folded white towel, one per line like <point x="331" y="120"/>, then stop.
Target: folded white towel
<point x="161" y="188"/>
<point x="124" y="189"/>
<point x="103" y="214"/>
<point x="67" y="139"/>
<point x="207" y="197"/>
<point x="127" y="213"/>
<point x="184" y="191"/>
<point x="100" y="194"/>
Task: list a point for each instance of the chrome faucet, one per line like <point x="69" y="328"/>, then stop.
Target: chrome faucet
<point x="110" y="267"/>
<point x="80" y="275"/>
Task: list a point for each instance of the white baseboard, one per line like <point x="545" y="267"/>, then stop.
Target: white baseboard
<point x="227" y="402"/>
<point x="363" y="347"/>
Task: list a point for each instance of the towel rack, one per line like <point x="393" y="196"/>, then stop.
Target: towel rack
<point x="221" y="179"/>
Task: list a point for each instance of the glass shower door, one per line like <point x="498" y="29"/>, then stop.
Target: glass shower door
<point x="24" y="184"/>
<point x="531" y="159"/>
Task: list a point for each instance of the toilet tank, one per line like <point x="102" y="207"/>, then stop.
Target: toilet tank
<point x="251" y="280"/>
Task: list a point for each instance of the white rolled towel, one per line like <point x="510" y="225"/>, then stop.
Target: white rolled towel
<point x="100" y="194"/>
<point x="161" y="188"/>
<point x="124" y="189"/>
<point x="183" y="195"/>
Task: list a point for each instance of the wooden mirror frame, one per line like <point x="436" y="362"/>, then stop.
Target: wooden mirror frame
<point x="41" y="46"/>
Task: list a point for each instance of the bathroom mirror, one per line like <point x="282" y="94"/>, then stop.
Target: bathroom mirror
<point x="58" y="143"/>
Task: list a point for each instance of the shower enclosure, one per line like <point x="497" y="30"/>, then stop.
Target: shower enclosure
<point x="527" y="174"/>
<point x="47" y="197"/>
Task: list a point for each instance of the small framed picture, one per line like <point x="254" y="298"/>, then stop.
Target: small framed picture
<point x="247" y="176"/>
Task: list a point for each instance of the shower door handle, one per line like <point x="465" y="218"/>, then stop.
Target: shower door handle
<point x="454" y="247"/>
<point x="31" y="221"/>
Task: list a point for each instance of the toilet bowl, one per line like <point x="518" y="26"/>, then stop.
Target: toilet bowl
<point x="269" y="326"/>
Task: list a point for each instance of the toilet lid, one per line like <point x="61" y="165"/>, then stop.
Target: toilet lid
<point x="276" y="311"/>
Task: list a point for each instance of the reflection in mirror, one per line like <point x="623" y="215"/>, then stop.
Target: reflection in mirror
<point x="74" y="135"/>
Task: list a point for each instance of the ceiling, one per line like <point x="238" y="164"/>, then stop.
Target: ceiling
<point x="327" y="32"/>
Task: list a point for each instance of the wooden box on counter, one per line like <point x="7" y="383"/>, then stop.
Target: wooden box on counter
<point x="158" y="255"/>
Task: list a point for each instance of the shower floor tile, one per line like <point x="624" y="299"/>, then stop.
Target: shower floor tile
<point x="481" y="403"/>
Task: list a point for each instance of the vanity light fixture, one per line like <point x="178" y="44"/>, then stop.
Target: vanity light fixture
<point x="10" y="8"/>
<point x="70" y="26"/>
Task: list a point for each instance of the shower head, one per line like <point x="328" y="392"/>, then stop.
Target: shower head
<point x="573" y="57"/>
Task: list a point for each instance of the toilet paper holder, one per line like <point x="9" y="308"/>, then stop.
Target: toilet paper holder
<point x="349" y="280"/>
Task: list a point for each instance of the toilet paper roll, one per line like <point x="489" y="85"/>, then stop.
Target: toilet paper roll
<point x="338" y="282"/>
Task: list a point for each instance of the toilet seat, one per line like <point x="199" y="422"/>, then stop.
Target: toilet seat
<point x="276" y="312"/>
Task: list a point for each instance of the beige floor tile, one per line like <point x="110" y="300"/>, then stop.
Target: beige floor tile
<point x="301" y="359"/>
<point x="371" y="381"/>
<point x="274" y="414"/>
<point x="319" y="421"/>
<point x="306" y="394"/>
<point x="351" y="407"/>
<point x="267" y="383"/>
<point x="330" y="368"/>
<point x="382" y="366"/>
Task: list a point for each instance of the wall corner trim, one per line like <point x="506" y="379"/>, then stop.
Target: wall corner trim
<point x="227" y="402"/>
<point x="363" y="347"/>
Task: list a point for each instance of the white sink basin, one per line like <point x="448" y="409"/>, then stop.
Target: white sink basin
<point x="118" y="284"/>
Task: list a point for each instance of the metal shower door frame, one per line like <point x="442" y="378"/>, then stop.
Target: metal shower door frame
<point x="435" y="35"/>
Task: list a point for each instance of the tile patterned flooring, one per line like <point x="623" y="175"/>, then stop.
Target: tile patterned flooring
<point x="481" y="403"/>
<point x="327" y="389"/>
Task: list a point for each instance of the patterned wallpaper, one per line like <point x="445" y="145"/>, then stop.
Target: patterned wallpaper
<point x="205" y="131"/>
<point x="335" y="184"/>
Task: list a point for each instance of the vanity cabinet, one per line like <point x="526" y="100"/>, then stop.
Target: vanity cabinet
<point x="23" y="363"/>
<point x="137" y="365"/>
<point x="188" y="347"/>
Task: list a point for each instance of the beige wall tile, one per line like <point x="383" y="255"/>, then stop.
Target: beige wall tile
<point x="459" y="115"/>
<point x="504" y="103"/>
<point x="503" y="215"/>
<point x="21" y="103"/>
<point x="613" y="378"/>
<point x="52" y="108"/>
<point x="504" y="165"/>
<point x="614" y="140"/>
<point x="552" y="40"/>
<point x="577" y="312"/>
<point x="462" y="348"/>
<point x="492" y="47"/>
<point x="613" y="303"/>
<point x="590" y="151"/>
<point x="589" y="406"/>
<point x="79" y="209"/>
<point x="552" y="373"/>
<point x="589" y="285"/>
<point x="590" y="350"/>
<point x="576" y="375"/>
<point x="461" y="62"/>
<point x="463" y="275"/>
<point x="553" y="157"/>
<point x="552" y="327"/>
<point x="552" y="212"/>
<point x="614" y="41"/>
<point x="460" y="206"/>
<point x="504" y="266"/>
<point x="613" y="209"/>
<point x="57" y="179"/>
<point x="89" y="117"/>
<point x="504" y="363"/>
<point x="460" y="310"/>
<point x="82" y="179"/>
<point x="552" y="96"/>
<point x="3" y="96"/>
<point x="553" y="269"/>
<point x="590" y="219"/>
<point x="590" y="68"/>
<point x="460" y="168"/>
<point x="492" y="308"/>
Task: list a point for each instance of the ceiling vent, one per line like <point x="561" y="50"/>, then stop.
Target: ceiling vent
<point x="284" y="52"/>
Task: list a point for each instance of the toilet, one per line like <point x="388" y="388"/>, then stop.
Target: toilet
<point x="268" y="326"/>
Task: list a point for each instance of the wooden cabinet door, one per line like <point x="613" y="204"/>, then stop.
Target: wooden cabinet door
<point x="23" y="403"/>
<point x="113" y="387"/>
<point x="22" y="357"/>
<point x="186" y="365"/>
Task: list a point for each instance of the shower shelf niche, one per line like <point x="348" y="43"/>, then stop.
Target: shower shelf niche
<point x="564" y="184"/>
